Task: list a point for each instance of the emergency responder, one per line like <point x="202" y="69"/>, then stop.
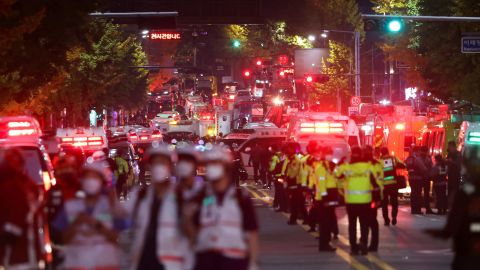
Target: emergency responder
<point x="454" y="166"/>
<point x="377" y="170"/>
<point x="254" y="161"/>
<point x="226" y="225"/>
<point x="325" y="214"/>
<point x="90" y="224"/>
<point x="416" y="171"/>
<point x="18" y="203"/>
<point x="121" y="173"/>
<point x="427" y="160"/>
<point x="390" y="187"/>
<point x="307" y="181"/>
<point x="275" y="170"/>
<point x="464" y="218"/>
<point x="333" y="198"/>
<point x="159" y="242"/>
<point x="439" y="177"/>
<point x="291" y="172"/>
<point x="358" y="184"/>
<point x="265" y="156"/>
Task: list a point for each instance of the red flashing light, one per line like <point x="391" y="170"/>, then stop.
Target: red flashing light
<point x="246" y="73"/>
<point x="321" y="127"/>
<point x="259" y="62"/>
<point x="67" y="140"/>
<point x="21" y="132"/>
<point x="19" y="124"/>
<point x="309" y="79"/>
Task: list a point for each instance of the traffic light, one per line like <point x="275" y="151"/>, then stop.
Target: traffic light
<point x="394" y="26"/>
<point x="246" y="73"/>
<point x="317" y="78"/>
<point x="236" y="43"/>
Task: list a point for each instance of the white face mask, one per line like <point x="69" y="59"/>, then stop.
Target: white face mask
<point x="160" y="173"/>
<point x="214" y="172"/>
<point x="184" y="169"/>
<point x="91" y="186"/>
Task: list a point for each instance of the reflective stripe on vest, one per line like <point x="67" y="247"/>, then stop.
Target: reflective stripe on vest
<point x="358" y="192"/>
<point x="358" y="186"/>
<point x="389" y="171"/>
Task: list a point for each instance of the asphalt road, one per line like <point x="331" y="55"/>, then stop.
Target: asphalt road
<point x="401" y="247"/>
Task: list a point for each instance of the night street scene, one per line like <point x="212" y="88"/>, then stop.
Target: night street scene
<point x="239" y="134"/>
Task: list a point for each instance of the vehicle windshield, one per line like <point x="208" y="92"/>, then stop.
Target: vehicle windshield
<point x="232" y="142"/>
<point x="34" y="163"/>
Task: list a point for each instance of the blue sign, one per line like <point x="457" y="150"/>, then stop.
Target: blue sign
<point x="471" y="44"/>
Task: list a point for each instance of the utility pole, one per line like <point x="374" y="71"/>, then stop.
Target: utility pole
<point x="357" y="63"/>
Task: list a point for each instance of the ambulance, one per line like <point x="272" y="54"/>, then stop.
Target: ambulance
<point x="243" y="141"/>
<point x="90" y="139"/>
<point x="332" y="129"/>
<point x="23" y="133"/>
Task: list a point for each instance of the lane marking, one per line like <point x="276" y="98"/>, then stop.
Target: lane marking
<point x="353" y="262"/>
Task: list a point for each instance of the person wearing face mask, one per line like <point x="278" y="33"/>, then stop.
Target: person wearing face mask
<point x="225" y="227"/>
<point x="159" y="242"/>
<point x="188" y="184"/>
<point x="90" y="224"/>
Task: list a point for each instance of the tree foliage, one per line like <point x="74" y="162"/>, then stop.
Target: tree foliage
<point x="432" y="50"/>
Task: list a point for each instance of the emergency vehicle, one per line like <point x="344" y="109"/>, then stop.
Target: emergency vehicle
<point x="469" y="135"/>
<point x="244" y="140"/>
<point x="332" y="129"/>
<point x="24" y="133"/>
<point x="90" y="139"/>
<point x="162" y="119"/>
<point x="182" y="130"/>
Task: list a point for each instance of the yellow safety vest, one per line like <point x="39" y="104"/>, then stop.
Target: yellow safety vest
<point x="306" y="171"/>
<point x="274" y="162"/>
<point x="319" y="180"/>
<point x="356" y="185"/>
<point x="291" y="168"/>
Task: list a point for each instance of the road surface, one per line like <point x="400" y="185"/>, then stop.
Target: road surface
<point x="285" y="247"/>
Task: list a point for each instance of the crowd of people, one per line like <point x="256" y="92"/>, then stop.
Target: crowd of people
<point x="178" y="221"/>
<point x="310" y="186"/>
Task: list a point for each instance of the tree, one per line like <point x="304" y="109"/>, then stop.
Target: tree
<point x="336" y="66"/>
<point x="101" y="73"/>
<point x="35" y="36"/>
<point x="436" y="63"/>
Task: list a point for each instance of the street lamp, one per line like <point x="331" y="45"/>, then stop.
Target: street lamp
<point x="324" y="35"/>
<point x="311" y="38"/>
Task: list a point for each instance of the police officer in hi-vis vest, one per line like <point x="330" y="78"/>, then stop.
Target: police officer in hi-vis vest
<point x="358" y="184"/>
